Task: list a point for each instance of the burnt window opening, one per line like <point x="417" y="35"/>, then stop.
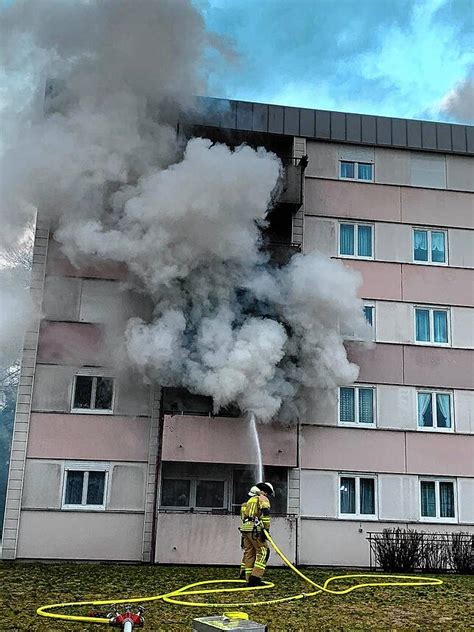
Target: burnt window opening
<point x="180" y="401"/>
<point x="93" y="393"/>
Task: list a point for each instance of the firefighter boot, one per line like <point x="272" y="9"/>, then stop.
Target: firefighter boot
<point x="255" y="581"/>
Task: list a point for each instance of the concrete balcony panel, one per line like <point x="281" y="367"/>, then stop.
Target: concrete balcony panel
<point x="194" y="538"/>
<point x="226" y="440"/>
<point x="437" y="208"/>
<point x="440" y="454"/>
<point x="439" y="367"/>
<point x="437" y="284"/>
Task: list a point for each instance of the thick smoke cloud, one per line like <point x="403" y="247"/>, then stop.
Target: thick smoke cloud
<point x="458" y="104"/>
<point x="106" y="166"/>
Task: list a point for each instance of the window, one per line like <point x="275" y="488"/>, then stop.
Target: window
<point x="434" y="410"/>
<point x="429" y="246"/>
<point x="357" y="496"/>
<point x="194" y="493"/>
<point x="93" y="393"/>
<point x="437" y="500"/>
<point x="350" y="170"/>
<point x="431" y="325"/>
<point x="356" y="240"/>
<point x="85" y="486"/>
<point x="356" y="405"/>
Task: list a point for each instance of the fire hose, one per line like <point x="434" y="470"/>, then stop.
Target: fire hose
<point x="175" y="596"/>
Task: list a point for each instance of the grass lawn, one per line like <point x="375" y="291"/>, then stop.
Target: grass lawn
<point x="24" y="587"/>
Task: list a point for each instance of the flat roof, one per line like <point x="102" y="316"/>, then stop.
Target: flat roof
<point x="341" y="127"/>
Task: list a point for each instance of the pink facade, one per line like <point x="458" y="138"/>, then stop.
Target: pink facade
<point x="85" y="436"/>
<point x="58" y="264"/>
<point x="224" y="440"/>
<point x="65" y="342"/>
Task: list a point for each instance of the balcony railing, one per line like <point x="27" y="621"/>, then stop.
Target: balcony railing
<point x="281" y="253"/>
<point x="292" y="192"/>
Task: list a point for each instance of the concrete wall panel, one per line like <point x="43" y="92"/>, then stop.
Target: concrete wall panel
<point x="103" y="301"/>
<point x="88" y="437"/>
<point x="393" y="242"/>
<point x="70" y="343"/>
<point x="319" y="494"/>
<point x="438" y="367"/>
<point x="193" y="538"/>
<point x="61" y="298"/>
<point x="349" y="449"/>
<point x="466" y="500"/>
<point x="392" y="166"/>
<point x="59" y="264"/>
<point x="223" y="440"/>
<point x="379" y="280"/>
<point x="127" y="490"/>
<point x="320" y="235"/>
<point x="437" y="284"/>
<point x="398" y="497"/>
<point x="394" y="322"/>
<point x="354" y="200"/>
<point x="42" y="485"/>
<point x="53" y="388"/>
<point x="428" y="170"/>
<point x="437" y="208"/>
<point x="322" y="160"/>
<point x="462" y="326"/>
<point x="77" y="535"/>
<point x="440" y="454"/>
<point x="396" y="407"/>
<point x="460" y="172"/>
<point x="381" y="364"/>
<point x="464" y="411"/>
<point x="461" y="248"/>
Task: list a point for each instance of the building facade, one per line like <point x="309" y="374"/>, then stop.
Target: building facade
<point x="107" y="467"/>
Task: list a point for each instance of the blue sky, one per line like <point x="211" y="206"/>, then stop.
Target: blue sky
<point x="407" y="58"/>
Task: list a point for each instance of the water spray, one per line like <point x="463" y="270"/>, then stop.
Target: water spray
<point x="258" y="449"/>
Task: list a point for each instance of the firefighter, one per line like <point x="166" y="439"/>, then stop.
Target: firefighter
<point x="255" y="516"/>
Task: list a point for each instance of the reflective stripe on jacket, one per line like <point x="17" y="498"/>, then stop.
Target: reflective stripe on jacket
<point x="254" y="512"/>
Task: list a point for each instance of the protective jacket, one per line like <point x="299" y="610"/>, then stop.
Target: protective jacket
<point x="255" y="514"/>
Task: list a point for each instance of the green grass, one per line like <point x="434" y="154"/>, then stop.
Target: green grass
<point x="24" y="587"/>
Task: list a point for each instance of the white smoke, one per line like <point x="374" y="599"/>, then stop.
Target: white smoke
<point x="458" y="103"/>
<point x="106" y="166"/>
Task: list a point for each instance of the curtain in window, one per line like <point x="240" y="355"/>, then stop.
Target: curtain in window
<point x="443" y="410"/>
<point x="364" y="241"/>
<point x="95" y="488"/>
<point x="368" y="313"/>
<point x="425" y="411"/>
<point x="365" y="171"/>
<point x="422" y="325"/>
<point x="347" y="491"/>
<point x="74" y="484"/>
<point x="367" y="496"/>
<point x="346" y="405"/>
<point x="438" y="247"/>
<point x="440" y="326"/>
<point x="446" y="500"/>
<point x="420" y="245"/>
<point x="347" y="169"/>
<point x="347" y="239"/>
<point x="366" y="406"/>
<point x="428" y="499"/>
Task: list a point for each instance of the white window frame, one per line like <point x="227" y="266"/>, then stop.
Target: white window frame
<point x="356" y="170"/>
<point x="358" y="424"/>
<point x="85" y="467"/>
<point x="356" y="240"/>
<point x="431" y="309"/>
<point x="434" y="411"/>
<point x="358" y="516"/>
<point x="438" y="518"/>
<point x="94" y="411"/>
<point x="194" y="480"/>
<point x="429" y="231"/>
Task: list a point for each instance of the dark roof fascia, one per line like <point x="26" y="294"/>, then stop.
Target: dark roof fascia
<point x="340" y="127"/>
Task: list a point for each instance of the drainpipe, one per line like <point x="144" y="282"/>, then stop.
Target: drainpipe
<point x="154" y="529"/>
<point x="298" y="516"/>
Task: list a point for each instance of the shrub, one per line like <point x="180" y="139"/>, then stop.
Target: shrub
<point x="398" y="549"/>
<point x="461" y="552"/>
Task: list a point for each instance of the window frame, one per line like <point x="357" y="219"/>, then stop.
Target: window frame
<point x="356" y="240"/>
<point x="356" y="170"/>
<point x="429" y="238"/>
<point x="435" y="427"/>
<point x="437" y="481"/>
<point x="357" y="515"/>
<point x="85" y="467"/>
<point x="94" y="411"/>
<point x="431" y="309"/>
<point x="358" y="424"/>
<point x="194" y="480"/>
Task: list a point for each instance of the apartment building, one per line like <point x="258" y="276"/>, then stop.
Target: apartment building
<point x="107" y="467"/>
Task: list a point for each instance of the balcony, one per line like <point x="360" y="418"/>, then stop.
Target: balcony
<point x="292" y="192"/>
<point x="281" y="253"/>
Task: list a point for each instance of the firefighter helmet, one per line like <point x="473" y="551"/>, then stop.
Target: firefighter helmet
<point x="267" y="488"/>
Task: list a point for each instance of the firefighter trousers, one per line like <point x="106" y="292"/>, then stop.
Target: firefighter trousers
<point x="256" y="554"/>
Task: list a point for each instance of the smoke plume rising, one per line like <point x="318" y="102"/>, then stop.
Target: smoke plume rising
<point x="106" y="167"/>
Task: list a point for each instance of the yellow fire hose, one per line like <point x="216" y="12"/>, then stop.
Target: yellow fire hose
<point x="174" y="596"/>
